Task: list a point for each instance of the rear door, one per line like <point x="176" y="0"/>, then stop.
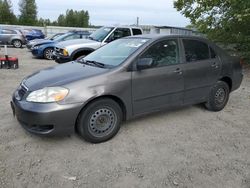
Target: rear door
<point x="202" y="69"/>
<point x="1" y="37"/>
<point x="161" y="85"/>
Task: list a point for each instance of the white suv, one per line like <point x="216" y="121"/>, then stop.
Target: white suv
<point x="71" y="50"/>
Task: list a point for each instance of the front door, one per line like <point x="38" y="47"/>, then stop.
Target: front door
<point x="161" y="85"/>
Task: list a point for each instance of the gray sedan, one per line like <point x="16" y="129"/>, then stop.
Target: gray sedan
<point x="125" y="79"/>
<point x="12" y="37"/>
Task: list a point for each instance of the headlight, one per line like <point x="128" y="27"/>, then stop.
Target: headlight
<point x="65" y="52"/>
<point x="35" y="47"/>
<point x="48" y="94"/>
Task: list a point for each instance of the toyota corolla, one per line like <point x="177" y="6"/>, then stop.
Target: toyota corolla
<point x="127" y="78"/>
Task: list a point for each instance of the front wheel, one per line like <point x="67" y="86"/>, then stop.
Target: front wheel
<point x="218" y="97"/>
<point x="48" y="53"/>
<point x="100" y="121"/>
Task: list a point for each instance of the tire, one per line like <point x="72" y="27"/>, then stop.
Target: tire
<point x="99" y="121"/>
<point x="17" y="43"/>
<point x="48" y="53"/>
<point x="218" y="97"/>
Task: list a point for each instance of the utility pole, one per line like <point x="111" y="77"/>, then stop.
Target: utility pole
<point x="137" y="21"/>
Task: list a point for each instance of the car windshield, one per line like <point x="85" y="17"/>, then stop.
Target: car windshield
<point x="115" y="53"/>
<point x="100" y="34"/>
<point x="53" y="37"/>
<point x="61" y="37"/>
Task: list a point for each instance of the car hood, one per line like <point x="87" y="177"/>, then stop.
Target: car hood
<point x="76" y="42"/>
<point x="60" y="75"/>
<point x="42" y="42"/>
<point x="38" y="40"/>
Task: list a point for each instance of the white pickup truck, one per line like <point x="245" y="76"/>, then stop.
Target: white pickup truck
<point x="71" y="50"/>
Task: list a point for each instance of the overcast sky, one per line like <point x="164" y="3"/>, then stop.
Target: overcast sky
<point x="110" y="12"/>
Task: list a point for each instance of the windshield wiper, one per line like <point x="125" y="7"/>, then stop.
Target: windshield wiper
<point x="98" y="64"/>
<point x="95" y="63"/>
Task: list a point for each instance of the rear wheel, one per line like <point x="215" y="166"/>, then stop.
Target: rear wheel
<point x="17" y="43"/>
<point x="100" y="121"/>
<point x="218" y="96"/>
<point x="48" y="53"/>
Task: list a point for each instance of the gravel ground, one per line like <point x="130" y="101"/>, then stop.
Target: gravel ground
<point x="189" y="147"/>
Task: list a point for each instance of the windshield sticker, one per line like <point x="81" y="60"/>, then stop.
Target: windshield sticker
<point x="133" y="45"/>
<point x="106" y="29"/>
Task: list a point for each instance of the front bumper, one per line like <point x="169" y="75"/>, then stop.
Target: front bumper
<point x="29" y="46"/>
<point x="46" y="119"/>
<point x="61" y="59"/>
<point x="37" y="53"/>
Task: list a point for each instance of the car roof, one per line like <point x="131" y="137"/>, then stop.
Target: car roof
<point x="78" y="31"/>
<point x="159" y="36"/>
<point x="125" y="26"/>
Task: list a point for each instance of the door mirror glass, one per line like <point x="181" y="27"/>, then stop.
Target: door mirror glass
<point x="144" y="63"/>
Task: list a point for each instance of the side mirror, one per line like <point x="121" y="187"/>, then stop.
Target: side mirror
<point x="144" y="63"/>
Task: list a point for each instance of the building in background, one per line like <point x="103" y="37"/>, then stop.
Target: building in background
<point x="169" y="30"/>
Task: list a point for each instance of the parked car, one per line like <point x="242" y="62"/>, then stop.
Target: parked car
<point x="71" y="50"/>
<point x="127" y="78"/>
<point x="12" y="37"/>
<point x="31" y="34"/>
<point x="32" y="43"/>
<point x="45" y="49"/>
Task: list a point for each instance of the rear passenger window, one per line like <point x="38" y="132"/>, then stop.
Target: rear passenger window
<point x="8" y="32"/>
<point x="136" y="32"/>
<point x="74" y="36"/>
<point x="195" y="50"/>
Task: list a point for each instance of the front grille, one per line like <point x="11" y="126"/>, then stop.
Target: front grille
<point x="58" y="51"/>
<point x="21" y="91"/>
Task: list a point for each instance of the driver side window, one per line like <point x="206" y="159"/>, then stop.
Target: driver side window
<point x="163" y="53"/>
<point x="119" y="33"/>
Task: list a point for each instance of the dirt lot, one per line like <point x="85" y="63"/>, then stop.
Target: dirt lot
<point x="189" y="147"/>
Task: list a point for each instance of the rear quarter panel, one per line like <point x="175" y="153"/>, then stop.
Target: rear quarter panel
<point x="231" y="68"/>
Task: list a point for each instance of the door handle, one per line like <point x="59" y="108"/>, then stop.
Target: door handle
<point x="178" y="70"/>
<point x="215" y="65"/>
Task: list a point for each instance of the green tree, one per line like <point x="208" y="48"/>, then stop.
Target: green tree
<point x="6" y="14"/>
<point x="43" y="22"/>
<point x="74" y="19"/>
<point x="61" y="20"/>
<point x="28" y="11"/>
<point x="224" y="21"/>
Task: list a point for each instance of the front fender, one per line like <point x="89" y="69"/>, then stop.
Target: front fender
<point x="81" y="50"/>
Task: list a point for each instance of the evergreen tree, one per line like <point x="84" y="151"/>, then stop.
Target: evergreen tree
<point x="61" y="20"/>
<point x="74" y="19"/>
<point x="6" y="14"/>
<point x="28" y="11"/>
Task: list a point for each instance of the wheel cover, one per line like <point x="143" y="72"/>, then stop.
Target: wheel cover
<point x="220" y="96"/>
<point x="17" y="43"/>
<point x="49" y="54"/>
<point x="102" y="122"/>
